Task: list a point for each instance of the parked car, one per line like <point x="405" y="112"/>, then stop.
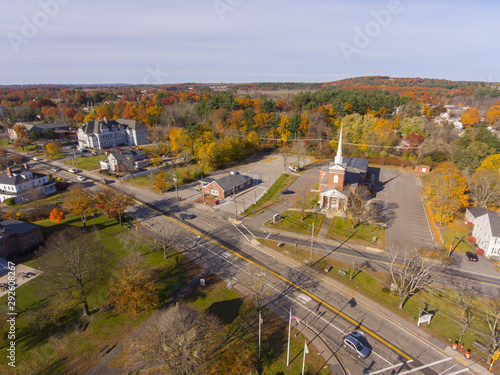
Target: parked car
<point x="80" y="178"/>
<point x="55" y="169"/>
<point x="35" y="159"/>
<point x="103" y="181"/>
<point x="287" y="192"/>
<point x="186" y="216"/>
<point x="73" y="170"/>
<point x="353" y="341"/>
<point x="472" y="257"/>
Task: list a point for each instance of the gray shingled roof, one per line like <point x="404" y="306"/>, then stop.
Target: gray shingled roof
<point x="230" y="181"/>
<point x="17" y="178"/>
<point x="122" y="156"/>
<point x="12" y="226"/>
<point x="477" y="211"/>
<point x="97" y="126"/>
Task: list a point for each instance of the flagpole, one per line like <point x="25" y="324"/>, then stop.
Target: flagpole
<point x="289" y="330"/>
<point x="304" y="358"/>
<point x="260" y="320"/>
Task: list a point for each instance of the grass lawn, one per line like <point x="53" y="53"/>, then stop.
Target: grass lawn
<point x="271" y="197"/>
<point x="49" y="342"/>
<point x="185" y="175"/>
<point x="376" y="286"/>
<point x="456" y="229"/>
<point x="292" y="222"/>
<point x="341" y="229"/>
<point x="87" y="163"/>
<point x="239" y="314"/>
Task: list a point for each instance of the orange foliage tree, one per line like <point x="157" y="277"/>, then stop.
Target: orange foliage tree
<point x="470" y="117"/>
<point x="57" y="215"/>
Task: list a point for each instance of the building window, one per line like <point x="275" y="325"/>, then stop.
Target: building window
<point x="2" y="244"/>
<point x="32" y="238"/>
<point x="335" y="179"/>
<point x="214" y="192"/>
<point x="13" y="241"/>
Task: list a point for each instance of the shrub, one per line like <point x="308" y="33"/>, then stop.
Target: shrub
<point x="9" y="201"/>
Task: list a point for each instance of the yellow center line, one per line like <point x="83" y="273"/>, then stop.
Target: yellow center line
<point x="373" y="334"/>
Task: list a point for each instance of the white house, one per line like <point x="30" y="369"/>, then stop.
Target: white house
<point x="19" y="184"/>
<point x="112" y="133"/>
<point x="123" y="161"/>
<point x="487" y="233"/>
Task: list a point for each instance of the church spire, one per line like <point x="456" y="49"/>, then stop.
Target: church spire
<point x="338" y="157"/>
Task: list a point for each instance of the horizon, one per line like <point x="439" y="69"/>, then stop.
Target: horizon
<point x="63" y="42"/>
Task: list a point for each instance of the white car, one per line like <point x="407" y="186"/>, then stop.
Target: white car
<point x="35" y="159"/>
<point x="72" y="170"/>
<point x="80" y="178"/>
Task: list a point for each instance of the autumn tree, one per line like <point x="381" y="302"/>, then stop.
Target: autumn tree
<point x="411" y="272"/>
<point x="112" y="199"/>
<point x="484" y="186"/>
<point x="22" y="136"/>
<point x="356" y="209"/>
<point x="493" y="113"/>
<point x="74" y="265"/>
<point x="161" y="182"/>
<point x="470" y="117"/>
<point x="491" y="162"/>
<point x="133" y="289"/>
<point x="53" y="148"/>
<point x="180" y="341"/>
<point x="447" y="192"/>
<point x="79" y="202"/>
<point x="56" y="215"/>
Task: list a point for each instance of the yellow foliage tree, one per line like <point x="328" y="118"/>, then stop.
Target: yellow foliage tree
<point x="283" y="131"/>
<point x="53" y="148"/>
<point x="161" y="182"/>
<point x="493" y="114"/>
<point x="447" y="192"/>
<point x="79" y="202"/>
<point x="491" y="162"/>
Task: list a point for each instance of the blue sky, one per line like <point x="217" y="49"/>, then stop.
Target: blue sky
<point x="174" y="41"/>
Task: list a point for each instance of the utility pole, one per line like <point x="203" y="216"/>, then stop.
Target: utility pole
<point x="235" y="210"/>
<point x="312" y="241"/>
<point x="175" y="184"/>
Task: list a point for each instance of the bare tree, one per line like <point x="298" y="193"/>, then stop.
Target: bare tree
<point x="180" y="341"/>
<point x="484" y="187"/>
<point x="356" y="209"/>
<point x="465" y="309"/>
<point x="134" y="240"/>
<point x="301" y="199"/>
<point x="492" y="310"/>
<point x="257" y="283"/>
<point x="73" y="264"/>
<point x="411" y="273"/>
<point x="285" y="156"/>
<point x="299" y="148"/>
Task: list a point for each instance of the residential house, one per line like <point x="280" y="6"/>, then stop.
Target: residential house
<point x="21" y="184"/>
<point x="112" y="133"/>
<point x="225" y="186"/>
<point x="423" y="168"/>
<point x="342" y="174"/>
<point x="17" y="236"/>
<point x="487" y="234"/>
<point x="472" y="213"/>
<point x="123" y="161"/>
<point x="60" y="128"/>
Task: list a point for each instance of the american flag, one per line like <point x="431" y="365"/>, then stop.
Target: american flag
<point x="297" y="319"/>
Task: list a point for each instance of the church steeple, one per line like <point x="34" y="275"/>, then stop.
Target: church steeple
<point x="338" y="157"/>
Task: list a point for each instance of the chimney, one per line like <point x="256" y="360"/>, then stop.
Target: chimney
<point x="105" y="119"/>
<point x="26" y="166"/>
<point x="9" y="172"/>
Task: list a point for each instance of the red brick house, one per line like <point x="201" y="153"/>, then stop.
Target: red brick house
<point x="17" y="236"/>
<point x="225" y="186"/>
